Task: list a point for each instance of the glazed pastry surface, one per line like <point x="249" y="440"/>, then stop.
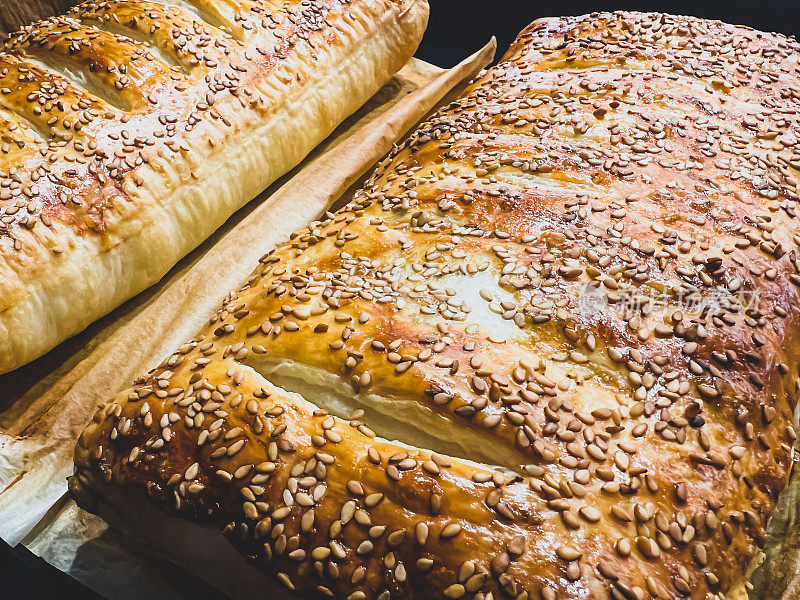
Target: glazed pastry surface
<point x="571" y="297"/>
<point x="131" y="129"/>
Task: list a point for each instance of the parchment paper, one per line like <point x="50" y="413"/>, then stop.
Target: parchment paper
<point x="45" y="405"/>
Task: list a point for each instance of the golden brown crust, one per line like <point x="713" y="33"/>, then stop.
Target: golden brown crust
<point x="584" y="270"/>
<point x="117" y="112"/>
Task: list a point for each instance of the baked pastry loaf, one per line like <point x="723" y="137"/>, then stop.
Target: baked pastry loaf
<point x="572" y="296"/>
<point x="130" y="130"/>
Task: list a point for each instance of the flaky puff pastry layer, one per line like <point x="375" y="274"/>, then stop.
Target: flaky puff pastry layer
<point x="583" y="272"/>
<point x="131" y="130"/>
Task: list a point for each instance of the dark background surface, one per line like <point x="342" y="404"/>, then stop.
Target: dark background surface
<point x="461" y="26"/>
<point x="457" y="28"/>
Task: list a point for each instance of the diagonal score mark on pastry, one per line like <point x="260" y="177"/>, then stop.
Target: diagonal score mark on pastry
<point x="157" y="121"/>
<point x="587" y="279"/>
